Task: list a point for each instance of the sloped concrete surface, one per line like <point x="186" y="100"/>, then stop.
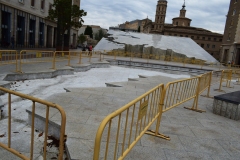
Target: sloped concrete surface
<point x="193" y="135"/>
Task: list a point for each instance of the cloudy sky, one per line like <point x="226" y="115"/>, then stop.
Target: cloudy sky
<point x="208" y="14"/>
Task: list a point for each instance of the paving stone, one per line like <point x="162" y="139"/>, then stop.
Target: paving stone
<point x="149" y="153"/>
<point x="232" y="147"/>
<point x="155" y="142"/>
<point x="175" y="129"/>
<point x="203" y="145"/>
<point x="211" y="133"/>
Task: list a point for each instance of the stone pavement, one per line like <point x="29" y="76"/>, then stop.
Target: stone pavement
<point x="193" y="135"/>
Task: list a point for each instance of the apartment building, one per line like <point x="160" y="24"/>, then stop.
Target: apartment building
<point x="231" y="40"/>
<point x="26" y="20"/>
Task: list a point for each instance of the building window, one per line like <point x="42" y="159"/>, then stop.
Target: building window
<point x="181" y="35"/>
<point x="215" y="39"/>
<point x="203" y="38"/>
<point x="202" y="45"/>
<point x="186" y="36"/>
<point x="42" y="4"/>
<point x="192" y="37"/>
<point x="234" y="12"/>
<point x="175" y="34"/>
<point x="32" y="3"/>
<point x="220" y="40"/>
<point x="213" y="46"/>
<point x="209" y="38"/>
<point x="176" y="23"/>
<point x="208" y="45"/>
<point x="197" y="37"/>
<point x="236" y="1"/>
<point x="170" y="34"/>
<point x="231" y="22"/>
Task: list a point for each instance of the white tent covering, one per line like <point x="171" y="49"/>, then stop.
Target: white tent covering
<point x="182" y="45"/>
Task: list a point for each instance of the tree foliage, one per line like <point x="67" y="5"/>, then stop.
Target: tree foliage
<point x="67" y="16"/>
<point x="88" y="31"/>
<point x="99" y="35"/>
<point x="81" y="38"/>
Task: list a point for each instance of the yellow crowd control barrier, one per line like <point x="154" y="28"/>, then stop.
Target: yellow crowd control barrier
<point x="71" y="57"/>
<point x="204" y="82"/>
<point x="180" y="91"/>
<point x="116" y="137"/>
<point x="34" y="56"/>
<point x="35" y="101"/>
<point x="237" y="74"/>
<point x="121" y="130"/>
<point x="9" y="57"/>
<point x="226" y="76"/>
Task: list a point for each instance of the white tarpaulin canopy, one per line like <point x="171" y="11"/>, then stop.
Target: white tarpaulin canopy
<point x="182" y="45"/>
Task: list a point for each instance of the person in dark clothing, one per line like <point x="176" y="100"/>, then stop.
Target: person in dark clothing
<point x="90" y="50"/>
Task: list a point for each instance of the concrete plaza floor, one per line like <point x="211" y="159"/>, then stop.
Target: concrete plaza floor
<point x="193" y="135"/>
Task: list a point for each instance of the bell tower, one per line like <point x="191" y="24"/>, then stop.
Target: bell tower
<point x="183" y="11"/>
<point x="160" y="16"/>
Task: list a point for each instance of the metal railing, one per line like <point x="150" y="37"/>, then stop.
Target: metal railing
<point x="150" y="107"/>
<point x="166" y="58"/>
<point x="226" y="76"/>
<point x="178" y="92"/>
<point x="48" y="105"/>
<point x="72" y="57"/>
<point x="237" y="74"/>
<point x="122" y="129"/>
<point x="9" y="57"/>
<point x="34" y="56"/>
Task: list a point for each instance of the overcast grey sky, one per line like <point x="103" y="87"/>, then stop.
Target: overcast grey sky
<point x="208" y="14"/>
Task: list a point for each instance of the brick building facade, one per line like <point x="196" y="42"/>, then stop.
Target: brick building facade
<point x="181" y="27"/>
<point x="26" y="20"/>
<point x="231" y="40"/>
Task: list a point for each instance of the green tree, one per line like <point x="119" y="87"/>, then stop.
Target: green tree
<point x="67" y="16"/>
<point x="138" y="28"/>
<point x="96" y="36"/>
<point x="88" y="31"/>
<point x="81" y="38"/>
<point x="99" y="35"/>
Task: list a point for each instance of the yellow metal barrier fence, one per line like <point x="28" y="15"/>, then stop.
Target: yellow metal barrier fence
<point x="34" y="56"/>
<point x="178" y="92"/>
<point x="127" y="125"/>
<point x="226" y="75"/>
<point x="166" y="58"/>
<point x="204" y="82"/>
<point x="69" y="56"/>
<point x="48" y="105"/>
<point x="237" y="74"/>
<point x="9" y="57"/>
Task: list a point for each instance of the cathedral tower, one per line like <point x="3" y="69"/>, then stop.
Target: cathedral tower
<point x="160" y="16"/>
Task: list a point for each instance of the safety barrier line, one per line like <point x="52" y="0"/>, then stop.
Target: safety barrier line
<point x="48" y="105"/>
<point x="165" y="58"/>
<point x="34" y="56"/>
<point x="226" y="75"/>
<point x="9" y="57"/>
<point x="178" y="92"/>
<point x="204" y="82"/>
<point x="134" y="118"/>
<point x="69" y="55"/>
<point x="237" y="74"/>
